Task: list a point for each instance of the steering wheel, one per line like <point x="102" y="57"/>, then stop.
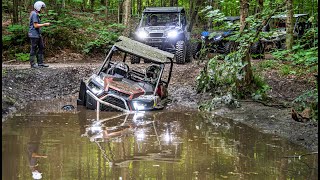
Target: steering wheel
<point x="123" y="66"/>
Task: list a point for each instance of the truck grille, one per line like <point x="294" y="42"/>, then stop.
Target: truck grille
<point x="156" y="34"/>
<point x="118" y="93"/>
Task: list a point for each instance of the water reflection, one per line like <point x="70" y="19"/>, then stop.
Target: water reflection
<point x="152" y="145"/>
<point x="33" y="152"/>
<point x="142" y="129"/>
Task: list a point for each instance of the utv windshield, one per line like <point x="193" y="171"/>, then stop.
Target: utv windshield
<point x="160" y="19"/>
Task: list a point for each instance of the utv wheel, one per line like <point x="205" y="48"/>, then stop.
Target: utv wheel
<point x="90" y="103"/>
<point x="180" y="52"/>
<point x="229" y="47"/>
<point x="195" y="48"/>
<point x="188" y="53"/>
<point x="82" y="94"/>
<point x="135" y="60"/>
<point x="257" y="50"/>
<point x="146" y="61"/>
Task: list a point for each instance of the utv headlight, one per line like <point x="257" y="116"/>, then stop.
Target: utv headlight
<point x="217" y="38"/>
<point x="142" y="34"/>
<point x="172" y="34"/>
<point x="95" y="88"/>
<point x="139" y="106"/>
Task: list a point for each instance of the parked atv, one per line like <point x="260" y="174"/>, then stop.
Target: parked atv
<point x="116" y="86"/>
<point x="277" y="25"/>
<point x="216" y="41"/>
<point x="165" y="28"/>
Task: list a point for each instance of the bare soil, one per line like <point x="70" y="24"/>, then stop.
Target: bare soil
<point x="22" y="85"/>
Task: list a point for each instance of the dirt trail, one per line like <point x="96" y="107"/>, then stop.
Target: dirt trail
<point x="21" y="85"/>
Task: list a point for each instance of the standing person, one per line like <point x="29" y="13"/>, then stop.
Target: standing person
<point x="35" y="36"/>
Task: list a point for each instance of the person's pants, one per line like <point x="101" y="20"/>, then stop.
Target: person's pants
<point x="36" y="43"/>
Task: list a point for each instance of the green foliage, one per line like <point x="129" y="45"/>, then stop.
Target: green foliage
<point x="286" y="70"/>
<point x="105" y="38"/>
<point x="220" y="76"/>
<point x="22" y="57"/>
<point x="302" y="53"/>
<point x="268" y="64"/>
<point x="261" y="88"/>
<point x="15" y="35"/>
<point x="308" y="99"/>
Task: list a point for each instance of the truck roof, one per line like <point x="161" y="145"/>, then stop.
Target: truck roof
<point x="163" y="9"/>
<point x="143" y="50"/>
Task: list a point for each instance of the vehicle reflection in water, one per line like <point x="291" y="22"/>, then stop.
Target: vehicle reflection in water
<point x="153" y="145"/>
<point x="117" y="128"/>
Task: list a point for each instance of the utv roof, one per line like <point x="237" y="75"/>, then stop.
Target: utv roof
<point x="143" y="50"/>
<point x="232" y="18"/>
<point x="163" y="9"/>
<point x="284" y="16"/>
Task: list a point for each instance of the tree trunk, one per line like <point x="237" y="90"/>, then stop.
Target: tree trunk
<point x="139" y="6"/>
<point x="63" y="4"/>
<point x="92" y="4"/>
<point x="120" y="7"/>
<point x="106" y="10"/>
<point x="15" y="14"/>
<point x="289" y="25"/>
<point x="127" y="12"/>
<point x="259" y="7"/>
<point x="194" y="12"/>
<point x="248" y="78"/>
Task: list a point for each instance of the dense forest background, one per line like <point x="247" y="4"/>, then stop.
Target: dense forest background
<point x="90" y="27"/>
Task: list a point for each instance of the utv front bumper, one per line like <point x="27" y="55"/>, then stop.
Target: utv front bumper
<point x="119" y="103"/>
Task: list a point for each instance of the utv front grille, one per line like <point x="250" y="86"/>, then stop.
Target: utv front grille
<point x="115" y="101"/>
<point x="118" y="93"/>
<point x="156" y="34"/>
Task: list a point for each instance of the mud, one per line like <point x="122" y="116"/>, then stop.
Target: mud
<point x="21" y="85"/>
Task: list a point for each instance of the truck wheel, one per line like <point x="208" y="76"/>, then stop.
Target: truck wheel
<point x="82" y="94"/>
<point x="188" y="53"/>
<point x="257" y="50"/>
<point x="180" y="52"/>
<point x="135" y="60"/>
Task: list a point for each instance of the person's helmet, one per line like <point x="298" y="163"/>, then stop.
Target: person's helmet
<point x="38" y="5"/>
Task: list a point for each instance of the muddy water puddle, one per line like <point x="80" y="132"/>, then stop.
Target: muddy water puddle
<point x="55" y="144"/>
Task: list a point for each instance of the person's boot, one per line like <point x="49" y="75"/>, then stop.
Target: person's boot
<point x="40" y="61"/>
<point x="32" y="62"/>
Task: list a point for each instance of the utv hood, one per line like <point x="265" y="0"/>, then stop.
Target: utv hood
<point x="159" y="29"/>
<point x="120" y="85"/>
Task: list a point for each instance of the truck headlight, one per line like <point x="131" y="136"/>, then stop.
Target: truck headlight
<point x="142" y="34"/>
<point x="172" y="34"/>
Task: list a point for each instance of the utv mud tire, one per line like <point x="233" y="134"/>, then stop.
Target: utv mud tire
<point x="257" y="50"/>
<point x="180" y="52"/>
<point x="135" y="60"/>
<point x="195" y="48"/>
<point x="146" y="61"/>
<point x="90" y="103"/>
<point x="188" y="53"/>
<point x="82" y="94"/>
<point x="229" y="47"/>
